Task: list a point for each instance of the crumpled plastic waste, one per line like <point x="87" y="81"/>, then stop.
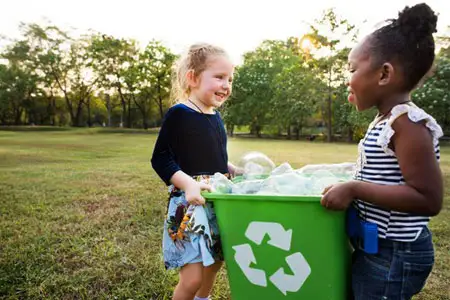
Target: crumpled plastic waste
<point x="261" y="177"/>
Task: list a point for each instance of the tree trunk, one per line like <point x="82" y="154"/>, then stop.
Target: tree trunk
<point x="88" y="104"/>
<point x="79" y="114"/>
<point x="329" y="125"/>
<point x="68" y="102"/>
<point x="253" y="130"/>
<point x="160" y="101"/>
<point x="297" y="132"/>
<point x="300" y="127"/>
<point x="143" y="110"/>
<point x="54" y="112"/>
<point x="129" y="113"/>
<point x="350" y="135"/>
<point x="17" y="116"/>
<point x="230" y="130"/>
<point x="51" y="109"/>
<point x="289" y="132"/>
<point x="280" y="131"/>
<point x="258" y="131"/>
<point x="70" y="109"/>
<point x="124" y="106"/>
<point x="145" y="117"/>
<point x="25" y="117"/>
<point x="108" y="108"/>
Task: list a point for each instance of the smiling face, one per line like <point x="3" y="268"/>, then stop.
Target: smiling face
<point x="363" y="85"/>
<point x="376" y="79"/>
<point x="213" y="86"/>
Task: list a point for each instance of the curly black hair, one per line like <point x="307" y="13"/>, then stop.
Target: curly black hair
<point x="407" y="41"/>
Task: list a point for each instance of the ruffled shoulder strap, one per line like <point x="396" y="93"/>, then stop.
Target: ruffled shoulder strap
<point x="416" y="115"/>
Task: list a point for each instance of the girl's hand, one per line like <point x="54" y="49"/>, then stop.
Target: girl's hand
<point x="234" y="170"/>
<point x="193" y="193"/>
<point x="238" y="171"/>
<point x="338" y="196"/>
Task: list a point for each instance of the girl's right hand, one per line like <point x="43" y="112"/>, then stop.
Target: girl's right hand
<point x="193" y="193"/>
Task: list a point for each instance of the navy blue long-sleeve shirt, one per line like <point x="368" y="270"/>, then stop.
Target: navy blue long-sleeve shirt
<point x="190" y="141"/>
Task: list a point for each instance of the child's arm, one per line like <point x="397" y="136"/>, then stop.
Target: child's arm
<point x="164" y="164"/>
<point x="166" y="167"/>
<point x="191" y="187"/>
<point x="163" y="161"/>
<point x="423" y="192"/>
<point x="234" y="170"/>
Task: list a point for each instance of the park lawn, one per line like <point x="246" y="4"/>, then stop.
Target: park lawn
<point x="81" y="214"/>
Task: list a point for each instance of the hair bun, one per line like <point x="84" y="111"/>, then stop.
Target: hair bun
<point x="418" y="21"/>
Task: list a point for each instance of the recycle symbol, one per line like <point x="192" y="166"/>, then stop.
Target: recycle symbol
<point x="281" y="239"/>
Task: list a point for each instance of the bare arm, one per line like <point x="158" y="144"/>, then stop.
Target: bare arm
<point x="234" y="170"/>
<point x="191" y="187"/>
<point x="423" y="192"/>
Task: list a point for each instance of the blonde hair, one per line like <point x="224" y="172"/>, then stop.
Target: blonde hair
<point x="196" y="59"/>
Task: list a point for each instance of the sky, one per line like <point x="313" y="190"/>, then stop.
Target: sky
<point x="236" y="25"/>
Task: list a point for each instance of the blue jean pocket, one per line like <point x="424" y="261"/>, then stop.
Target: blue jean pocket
<point x="377" y="262"/>
<point x="414" y="277"/>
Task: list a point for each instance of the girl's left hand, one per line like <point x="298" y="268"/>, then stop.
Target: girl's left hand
<point x="238" y="171"/>
<point x="338" y="196"/>
<point x="234" y="170"/>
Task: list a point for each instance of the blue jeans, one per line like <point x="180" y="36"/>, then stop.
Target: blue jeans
<point x="397" y="272"/>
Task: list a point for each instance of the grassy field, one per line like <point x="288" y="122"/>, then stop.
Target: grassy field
<point x="81" y="214"/>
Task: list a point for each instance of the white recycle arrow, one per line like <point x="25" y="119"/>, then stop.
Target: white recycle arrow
<point x="278" y="236"/>
<point x="292" y="283"/>
<point x="244" y="257"/>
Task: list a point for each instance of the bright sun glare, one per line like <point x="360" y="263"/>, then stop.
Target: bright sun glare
<point x="306" y="44"/>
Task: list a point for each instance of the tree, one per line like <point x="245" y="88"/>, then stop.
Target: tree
<point x="19" y="54"/>
<point x="328" y="35"/>
<point x="295" y="97"/>
<point x="112" y="57"/>
<point x="81" y="80"/>
<point x="18" y="85"/>
<point x="348" y="121"/>
<point x="254" y="87"/>
<point x="233" y="111"/>
<point x="64" y="63"/>
<point x="155" y="65"/>
<point x="434" y="95"/>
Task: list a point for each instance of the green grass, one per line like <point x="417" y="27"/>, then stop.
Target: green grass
<point x="81" y="214"/>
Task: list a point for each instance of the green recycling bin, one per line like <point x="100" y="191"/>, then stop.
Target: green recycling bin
<point x="282" y="247"/>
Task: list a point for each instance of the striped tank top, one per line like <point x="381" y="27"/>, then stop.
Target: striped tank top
<point x="378" y="164"/>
